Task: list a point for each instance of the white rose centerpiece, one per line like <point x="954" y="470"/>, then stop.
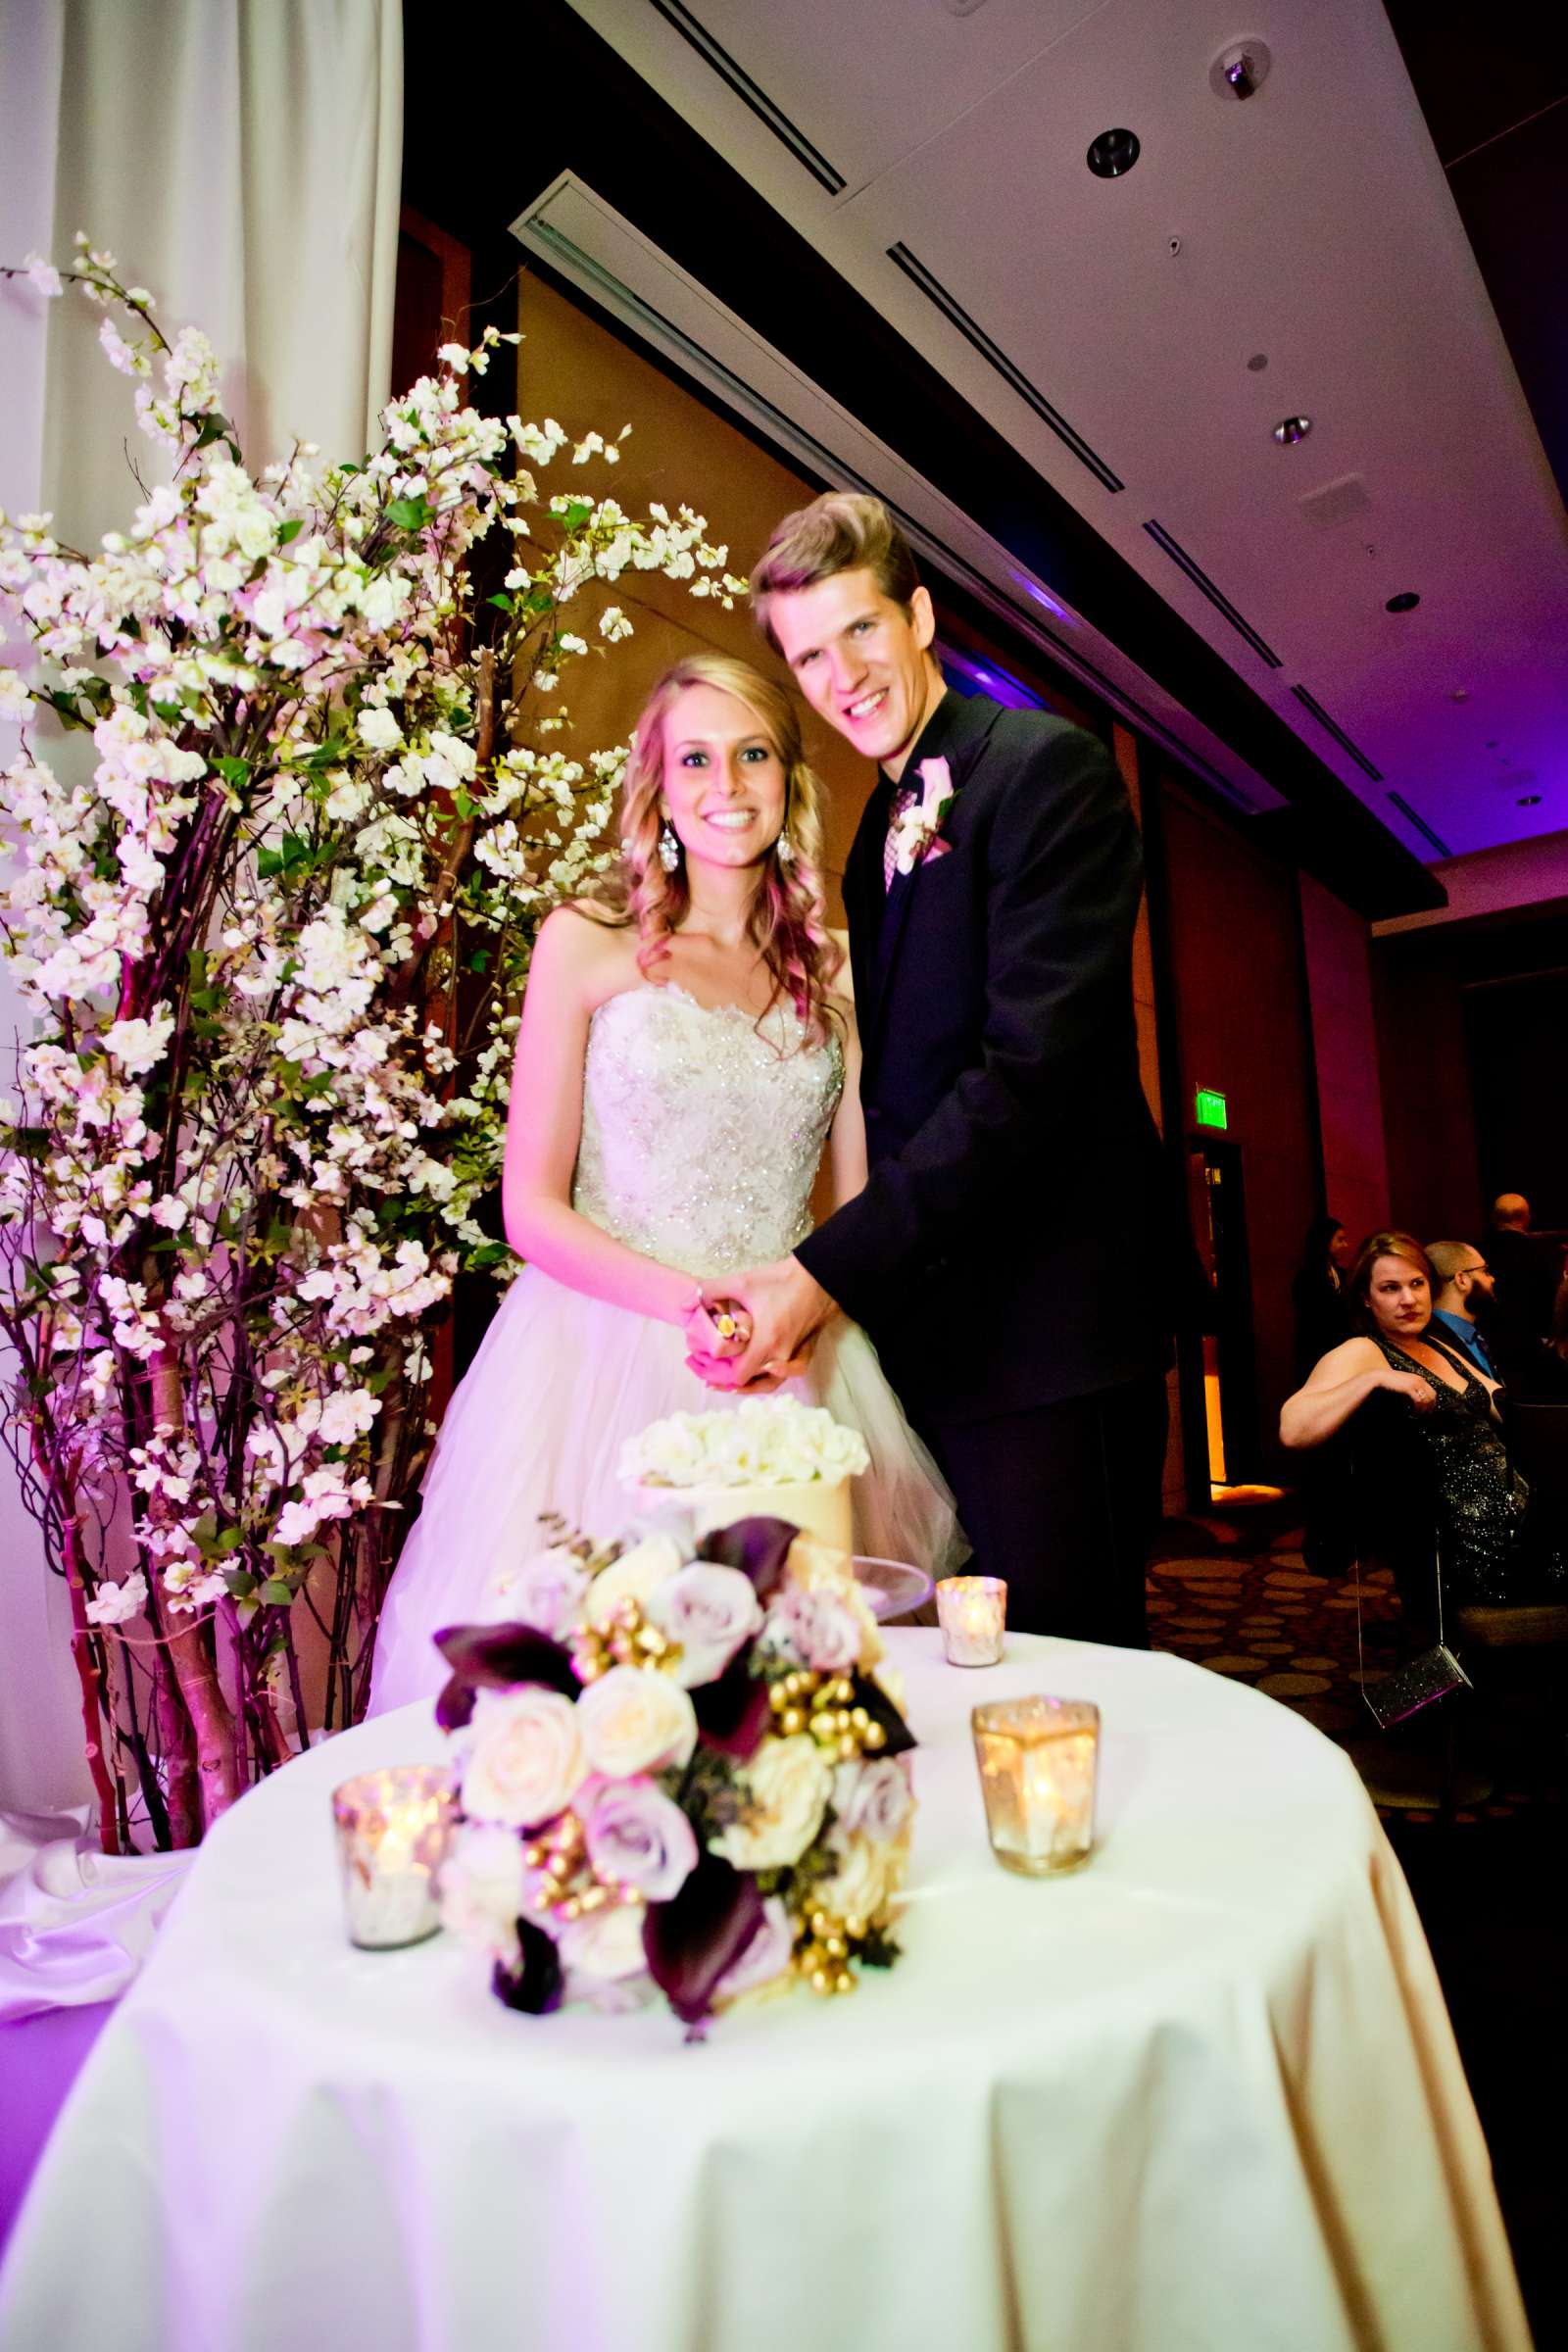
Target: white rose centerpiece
<point x="769" y="1457"/>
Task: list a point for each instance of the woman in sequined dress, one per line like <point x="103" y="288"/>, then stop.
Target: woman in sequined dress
<point x="1492" y="1546"/>
<point x="686" y="1051"/>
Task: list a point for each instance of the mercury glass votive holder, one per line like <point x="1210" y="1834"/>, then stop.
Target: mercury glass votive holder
<point x="392" y="1832"/>
<point x="1038" y="1759"/>
<point x="972" y="1612"/>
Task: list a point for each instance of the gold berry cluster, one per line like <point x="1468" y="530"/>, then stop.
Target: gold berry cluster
<point x="568" y="1887"/>
<point x="824" y="1705"/>
<point x="823" y="1950"/>
<point x="628" y="1640"/>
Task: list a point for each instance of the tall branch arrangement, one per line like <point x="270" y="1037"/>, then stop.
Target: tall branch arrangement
<point x="275" y="926"/>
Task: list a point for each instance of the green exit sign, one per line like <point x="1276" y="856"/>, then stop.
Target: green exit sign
<point x="1208" y="1108"/>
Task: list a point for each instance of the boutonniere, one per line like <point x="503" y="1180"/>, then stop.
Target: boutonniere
<point x="919" y="824"/>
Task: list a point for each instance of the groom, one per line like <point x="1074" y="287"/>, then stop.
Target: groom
<point x="1008" y="1255"/>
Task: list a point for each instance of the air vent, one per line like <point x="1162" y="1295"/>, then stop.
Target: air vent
<point x="1336" y="502"/>
<point x="995" y="357"/>
<point x="1331" y="726"/>
<point x="1216" y="596"/>
<point x="1420" y="823"/>
<point x="788" y="134"/>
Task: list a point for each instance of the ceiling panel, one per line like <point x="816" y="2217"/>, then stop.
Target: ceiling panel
<point x="1312" y="226"/>
<point x="866" y="82"/>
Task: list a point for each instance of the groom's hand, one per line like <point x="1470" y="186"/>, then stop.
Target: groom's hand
<point x="787" y="1308"/>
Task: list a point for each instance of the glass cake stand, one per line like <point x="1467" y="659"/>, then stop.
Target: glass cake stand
<point x="894" y="1587"/>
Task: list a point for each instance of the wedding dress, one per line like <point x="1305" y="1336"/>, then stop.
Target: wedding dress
<point x="702" y="1131"/>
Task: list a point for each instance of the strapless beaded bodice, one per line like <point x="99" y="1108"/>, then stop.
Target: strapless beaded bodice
<point x="701" y="1128"/>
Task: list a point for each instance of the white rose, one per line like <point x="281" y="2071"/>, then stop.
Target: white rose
<point x="526" y="1757"/>
<point x="481" y="1888"/>
<point x="635" y="1576"/>
<point x="635" y="1719"/>
<point x="546" y="1592"/>
<point x="709" y="1611"/>
<point x="607" y="1943"/>
<point x="785" y="1790"/>
<point x="874" y="1799"/>
<point x="868" y="1870"/>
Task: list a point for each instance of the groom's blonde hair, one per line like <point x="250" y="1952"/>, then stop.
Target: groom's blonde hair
<point x="843" y="530"/>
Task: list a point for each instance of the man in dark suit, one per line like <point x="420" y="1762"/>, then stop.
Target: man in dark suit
<point x="1010" y="1255"/>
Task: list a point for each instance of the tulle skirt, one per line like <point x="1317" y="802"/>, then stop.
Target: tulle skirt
<point x="537" y="1424"/>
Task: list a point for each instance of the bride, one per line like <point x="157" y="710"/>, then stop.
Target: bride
<point x="682" y="1057"/>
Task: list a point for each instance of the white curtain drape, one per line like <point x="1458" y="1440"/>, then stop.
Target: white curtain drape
<point x="240" y="158"/>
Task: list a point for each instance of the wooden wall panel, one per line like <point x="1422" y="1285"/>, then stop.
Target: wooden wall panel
<point x="1242" y="1023"/>
<point x="572" y="366"/>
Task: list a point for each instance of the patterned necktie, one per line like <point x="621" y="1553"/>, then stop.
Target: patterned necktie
<point x="904" y="798"/>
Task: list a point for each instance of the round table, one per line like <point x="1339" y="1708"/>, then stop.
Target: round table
<point x="1203" y="2093"/>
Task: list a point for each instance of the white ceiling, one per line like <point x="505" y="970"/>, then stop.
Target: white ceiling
<point x="1314" y="225"/>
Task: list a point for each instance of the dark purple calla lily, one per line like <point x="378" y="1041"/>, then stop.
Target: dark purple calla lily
<point x="701" y="1933"/>
<point x="899" y="1739"/>
<point x="498" y="1657"/>
<point x="732" y="1711"/>
<point x="535" y="1985"/>
<point x="757" y="1547"/>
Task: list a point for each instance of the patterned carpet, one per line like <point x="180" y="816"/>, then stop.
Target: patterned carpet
<point x="1231" y="1592"/>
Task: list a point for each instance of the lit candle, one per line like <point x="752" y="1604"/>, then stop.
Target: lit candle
<point x="972" y="1611"/>
<point x="392" y="1830"/>
<point x="1038" y="1759"/>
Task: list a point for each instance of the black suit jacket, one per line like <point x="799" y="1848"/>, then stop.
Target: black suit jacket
<point x="1015" y="1243"/>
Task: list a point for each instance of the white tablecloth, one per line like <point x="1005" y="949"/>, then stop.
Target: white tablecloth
<point x="1201" y="2094"/>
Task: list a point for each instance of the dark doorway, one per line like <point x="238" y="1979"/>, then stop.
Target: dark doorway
<point x="1229" y="1408"/>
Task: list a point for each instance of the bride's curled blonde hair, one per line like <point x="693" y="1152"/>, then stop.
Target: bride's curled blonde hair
<point x="788" y="919"/>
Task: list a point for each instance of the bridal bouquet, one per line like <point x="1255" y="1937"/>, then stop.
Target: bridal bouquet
<point x="678" y="1776"/>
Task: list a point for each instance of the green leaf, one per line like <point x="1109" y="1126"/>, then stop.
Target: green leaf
<point x="291" y="530"/>
<point x="576" y="514"/>
<point x="488" y="1255"/>
<point x="500" y="599"/>
<point x="233" y="771"/>
<point x="27" y="1143"/>
<point x="479" y="961"/>
<point x="170" y="713"/>
<point x="408" y="513"/>
<point x="275" y="1594"/>
<point x="64" y="707"/>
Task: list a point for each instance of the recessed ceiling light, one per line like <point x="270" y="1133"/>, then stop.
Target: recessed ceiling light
<point x="1240" y="71"/>
<point x="1528" y="800"/>
<point x="1291" y="430"/>
<point x="1113" y="154"/>
<point x="1406" y="602"/>
<point x="1257" y="363"/>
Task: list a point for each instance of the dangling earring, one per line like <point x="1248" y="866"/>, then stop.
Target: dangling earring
<point x="785" y="848"/>
<point x="669" y="847"/>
